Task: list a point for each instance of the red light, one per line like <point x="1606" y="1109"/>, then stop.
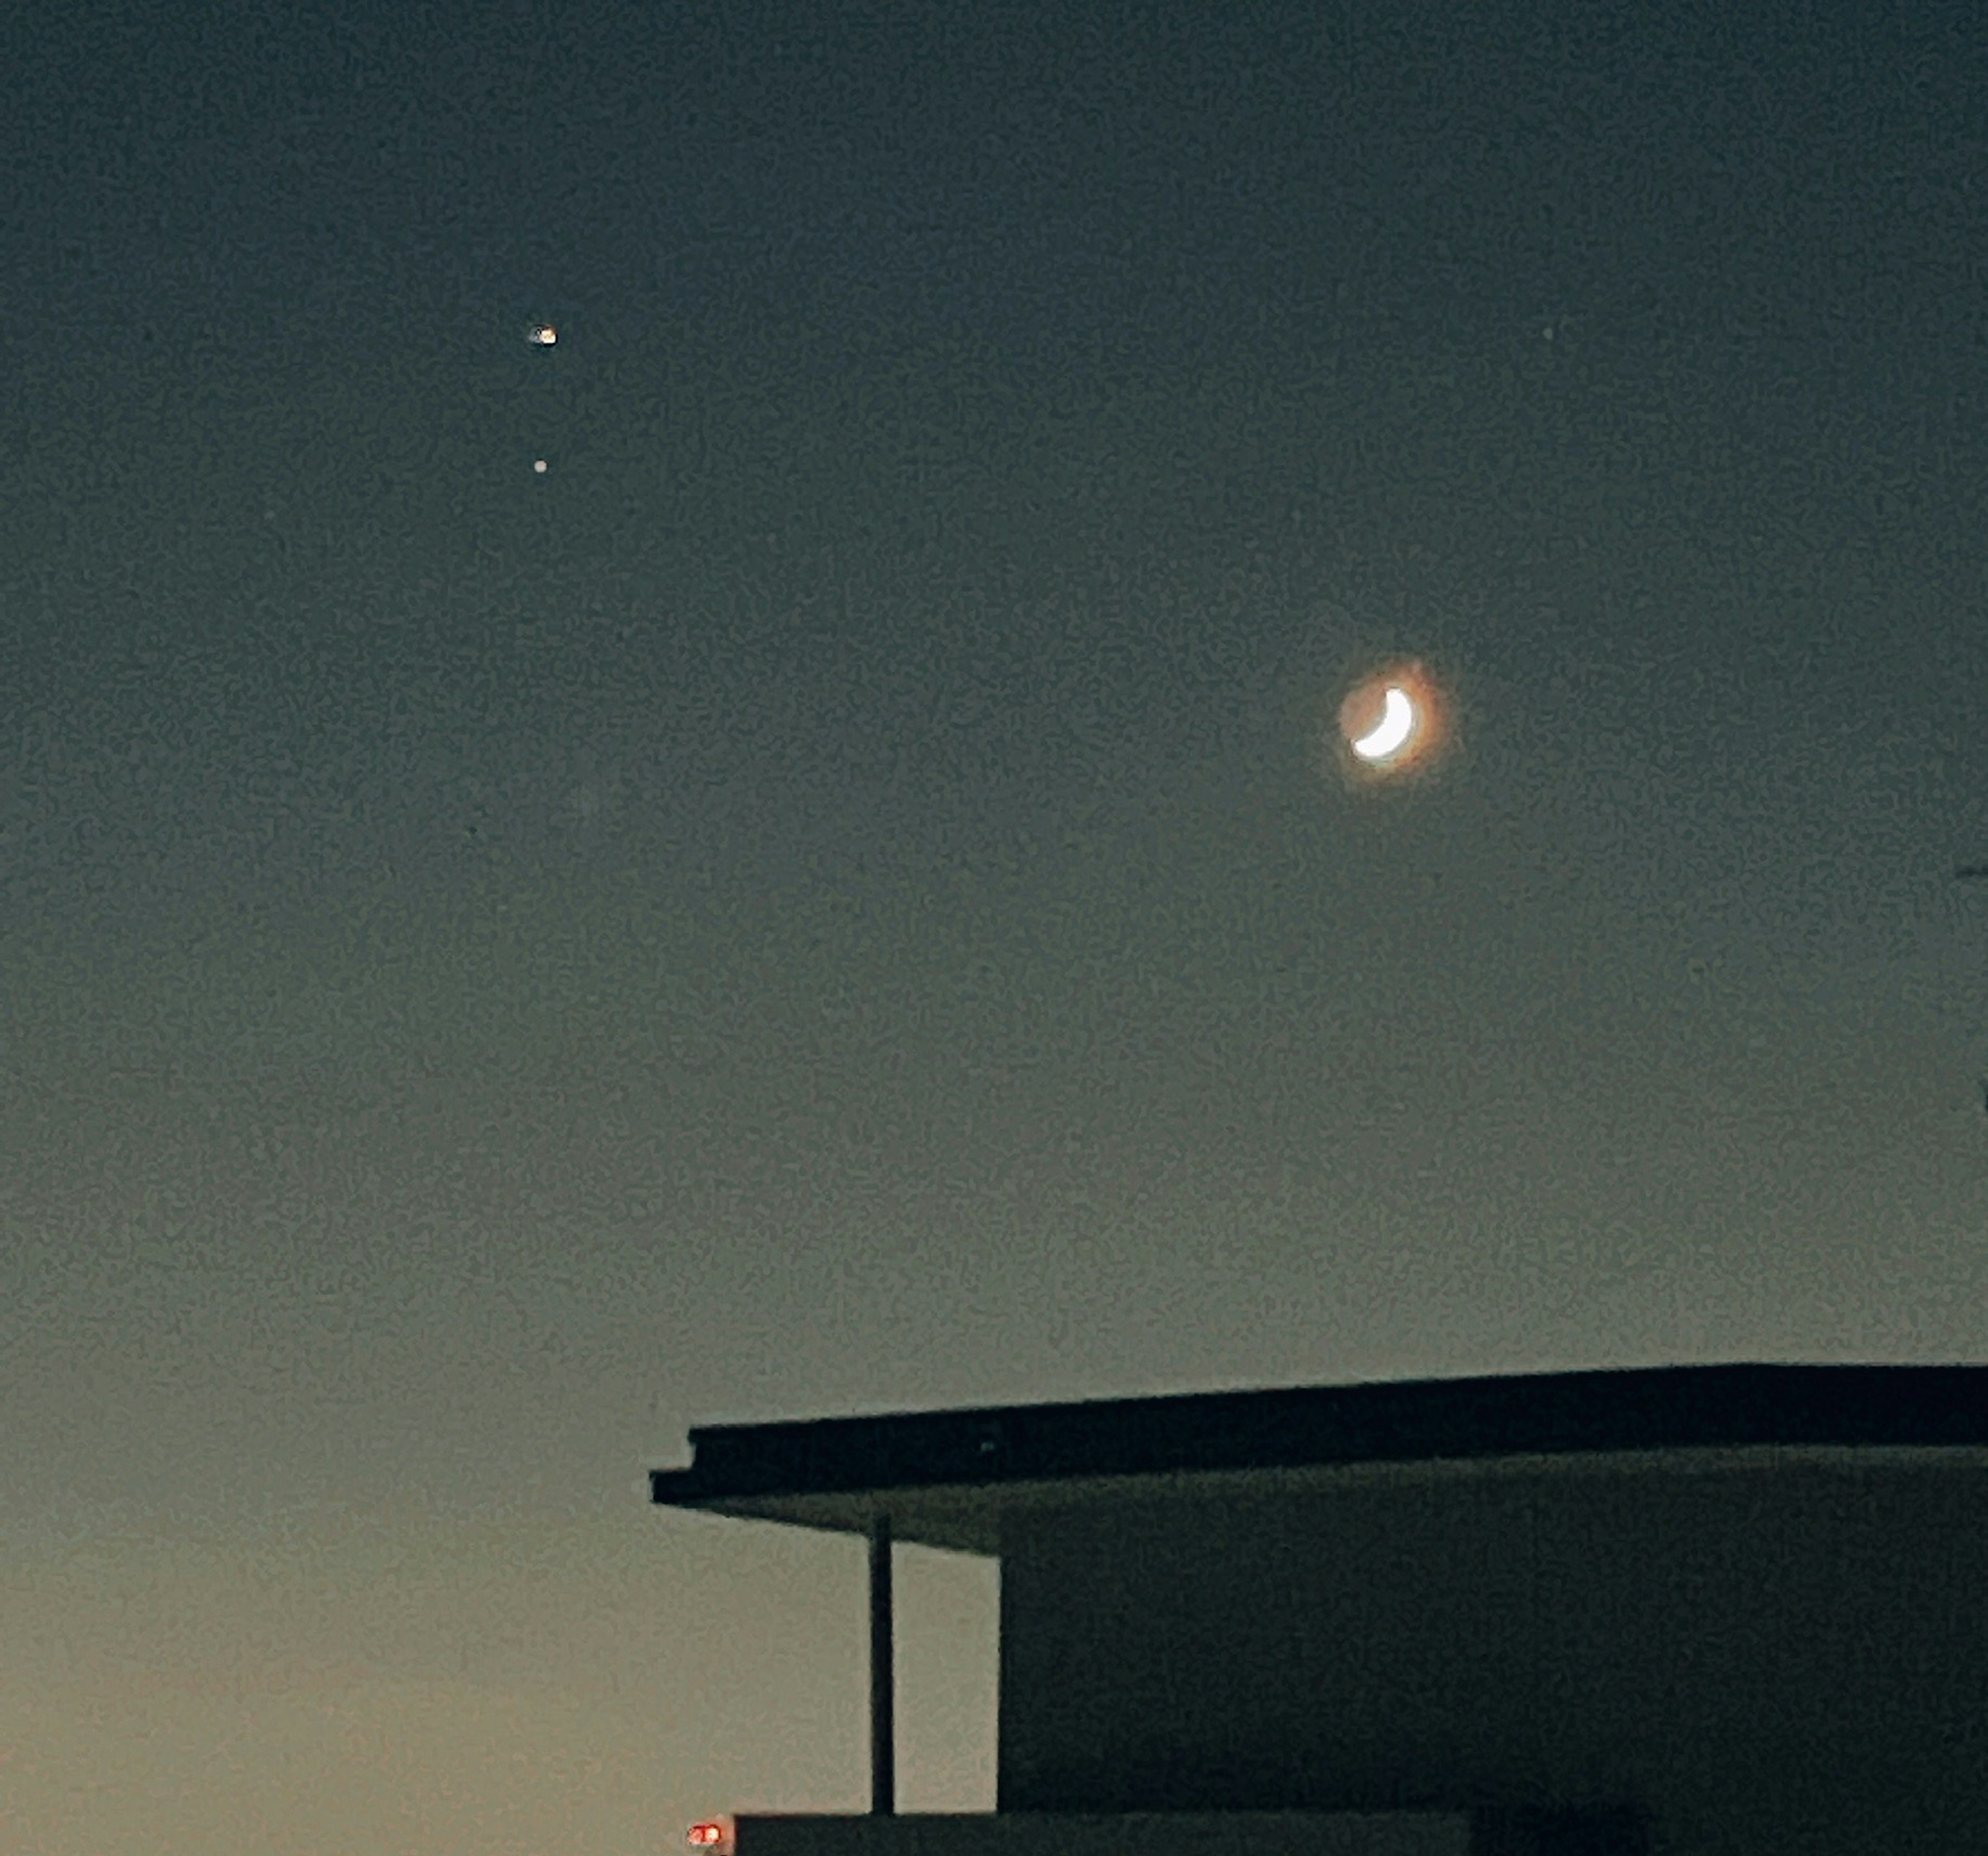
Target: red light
<point x="703" y="1834"/>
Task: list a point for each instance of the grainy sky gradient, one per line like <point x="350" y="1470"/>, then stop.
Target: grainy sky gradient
<point x="833" y="897"/>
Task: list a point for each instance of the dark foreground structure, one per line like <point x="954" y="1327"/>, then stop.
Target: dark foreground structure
<point x="1691" y="1610"/>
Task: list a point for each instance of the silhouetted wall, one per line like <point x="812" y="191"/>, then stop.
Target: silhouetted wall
<point x="1778" y="1658"/>
<point x="1521" y="1833"/>
<point x="1223" y="1835"/>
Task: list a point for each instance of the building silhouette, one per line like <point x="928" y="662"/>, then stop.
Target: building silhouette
<point x="1738" y="1608"/>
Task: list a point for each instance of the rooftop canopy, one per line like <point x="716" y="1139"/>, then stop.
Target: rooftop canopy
<point x="945" y="1478"/>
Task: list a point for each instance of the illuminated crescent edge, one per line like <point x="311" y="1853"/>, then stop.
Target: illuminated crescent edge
<point x="1397" y="723"/>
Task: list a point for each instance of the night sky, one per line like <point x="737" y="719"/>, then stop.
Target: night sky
<point x="838" y="894"/>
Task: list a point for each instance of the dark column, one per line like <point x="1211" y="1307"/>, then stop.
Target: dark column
<point x="882" y="1675"/>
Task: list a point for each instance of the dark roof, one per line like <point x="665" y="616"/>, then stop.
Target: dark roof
<point x="946" y="1473"/>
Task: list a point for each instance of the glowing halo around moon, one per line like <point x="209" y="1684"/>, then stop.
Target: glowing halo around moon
<point x="1391" y="723"/>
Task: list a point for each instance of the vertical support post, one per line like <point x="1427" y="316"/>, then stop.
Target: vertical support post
<point x="882" y="1675"/>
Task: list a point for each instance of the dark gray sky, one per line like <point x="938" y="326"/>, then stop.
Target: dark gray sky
<point x="834" y="895"/>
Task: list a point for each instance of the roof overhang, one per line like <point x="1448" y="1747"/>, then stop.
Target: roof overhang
<point x="950" y="1479"/>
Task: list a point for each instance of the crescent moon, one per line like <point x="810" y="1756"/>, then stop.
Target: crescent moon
<point x="1397" y="724"/>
